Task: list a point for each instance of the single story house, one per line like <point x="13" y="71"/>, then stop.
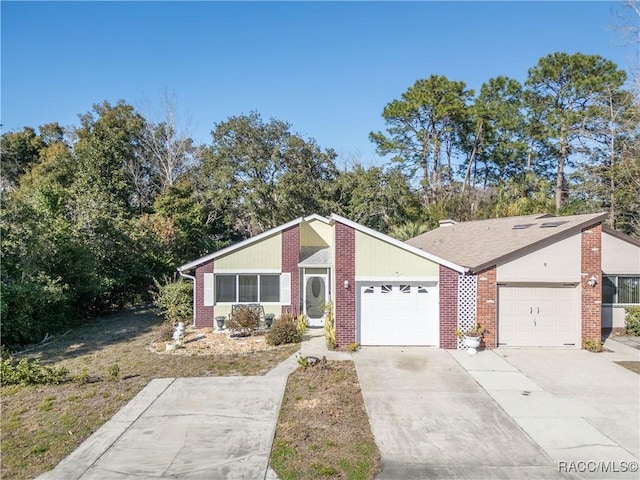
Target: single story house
<point x="533" y="280"/>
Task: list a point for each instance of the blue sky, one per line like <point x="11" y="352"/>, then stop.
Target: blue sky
<point x="328" y="68"/>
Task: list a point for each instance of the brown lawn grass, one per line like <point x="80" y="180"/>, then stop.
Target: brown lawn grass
<point x="323" y="430"/>
<point x="42" y="424"/>
<point x="632" y="365"/>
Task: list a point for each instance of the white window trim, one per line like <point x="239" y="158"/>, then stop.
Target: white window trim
<point x="237" y="274"/>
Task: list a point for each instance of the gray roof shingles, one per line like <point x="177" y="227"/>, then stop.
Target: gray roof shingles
<point x="479" y="244"/>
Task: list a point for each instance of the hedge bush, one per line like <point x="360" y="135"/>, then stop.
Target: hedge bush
<point x="30" y="372"/>
<point x="284" y="330"/>
<point x="632" y="320"/>
<point x="175" y="299"/>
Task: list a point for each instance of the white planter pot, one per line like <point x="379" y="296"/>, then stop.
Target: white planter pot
<point x="472" y="343"/>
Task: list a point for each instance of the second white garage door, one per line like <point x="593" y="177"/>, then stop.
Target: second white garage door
<point x="399" y="314"/>
<point x="538" y="316"/>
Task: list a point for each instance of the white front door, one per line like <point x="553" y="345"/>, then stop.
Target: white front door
<point x="315" y="297"/>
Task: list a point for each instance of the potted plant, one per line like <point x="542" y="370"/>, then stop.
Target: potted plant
<point x="268" y="319"/>
<point x="471" y="337"/>
<point x="220" y="322"/>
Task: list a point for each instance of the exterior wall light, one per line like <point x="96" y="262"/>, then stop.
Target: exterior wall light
<point x="592" y="281"/>
<point x="346" y="284"/>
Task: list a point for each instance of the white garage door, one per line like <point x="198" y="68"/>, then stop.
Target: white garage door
<point x="399" y="313"/>
<point x="538" y="316"/>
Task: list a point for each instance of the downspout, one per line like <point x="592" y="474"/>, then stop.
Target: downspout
<point x="193" y="279"/>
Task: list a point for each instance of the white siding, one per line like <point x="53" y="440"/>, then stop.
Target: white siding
<point x="619" y="257"/>
<point x="556" y="263"/>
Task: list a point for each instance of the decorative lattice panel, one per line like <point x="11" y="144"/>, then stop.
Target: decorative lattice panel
<point x="467" y="288"/>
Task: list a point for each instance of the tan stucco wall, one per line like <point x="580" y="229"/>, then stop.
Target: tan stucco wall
<point x="316" y="233"/>
<point x="559" y="262"/>
<point x="613" y="317"/>
<point x="225" y="309"/>
<point x="618" y="256"/>
<point x="263" y="255"/>
<point x="376" y="258"/>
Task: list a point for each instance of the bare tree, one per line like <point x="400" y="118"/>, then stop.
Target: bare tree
<point x="167" y="144"/>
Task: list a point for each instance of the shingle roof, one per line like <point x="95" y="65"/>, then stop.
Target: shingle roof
<point x="481" y="243"/>
<point x="310" y="256"/>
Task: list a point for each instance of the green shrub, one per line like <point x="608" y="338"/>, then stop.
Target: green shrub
<point x="30" y="372"/>
<point x="244" y="320"/>
<point x="352" y="347"/>
<point x="175" y="299"/>
<point x="329" y="327"/>
<point x="301" y="324"/>
<point x="632" y="321"/>
<point x="113" y="372"/>
<point x="284" y="330"/>
<point x="592" y="345"/>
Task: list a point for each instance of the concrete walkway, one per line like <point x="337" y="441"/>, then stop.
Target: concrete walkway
<point x="191" y="428"/>
<point x="212" y="427"/>
<point x="578" y="406"/>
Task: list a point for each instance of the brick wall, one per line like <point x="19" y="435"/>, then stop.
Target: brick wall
<point x="290" y="260"/>
<point x="448" y="288"/>
<point x="487" y="305"/>
<point x="203" y="315"/>
<point x="591" y="265"/>
<point x="345" y="299"/>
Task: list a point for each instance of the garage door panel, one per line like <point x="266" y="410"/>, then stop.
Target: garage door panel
<point x="537" y="316"/>
<point x="398" y="314"/>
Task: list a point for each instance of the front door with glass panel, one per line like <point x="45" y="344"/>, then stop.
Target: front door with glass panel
<point x="315" y="297"/>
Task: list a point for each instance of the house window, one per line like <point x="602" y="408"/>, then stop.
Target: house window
<point x="226" y="288"/>
<point x="422" y="290"/>
<point x="405" y="288"/>
<point x="269" y="288"/>
<point x="385" y="289"/>
<point x="247" y="288"/>
<point x="368" y="290"/>
<point x="619" y="289"/>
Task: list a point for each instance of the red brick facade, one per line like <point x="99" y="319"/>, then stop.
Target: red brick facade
<point x="591" y="265"/>
<point x="448" y="307"/>
<point x="486" y="307"/>
<point x="345" y="298"/>
<point x="203" y="315"/>
<point x="290" y="260"/>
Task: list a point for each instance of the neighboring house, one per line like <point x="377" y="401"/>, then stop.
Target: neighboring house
<point x="620" y="277"/>
<point x="536" y="280"/>
<point x="526" y="278"/>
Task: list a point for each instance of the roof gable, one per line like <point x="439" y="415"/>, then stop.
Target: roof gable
<point x="334" y="218"/>
<point x="482" y="243"/>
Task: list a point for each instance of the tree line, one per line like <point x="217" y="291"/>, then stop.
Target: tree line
<point x="93" y="213"/>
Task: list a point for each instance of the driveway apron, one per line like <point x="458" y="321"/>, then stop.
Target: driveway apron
<point x="580" y="407"/>
<point x="215" y="427"/>
<point x="431" y="419"/>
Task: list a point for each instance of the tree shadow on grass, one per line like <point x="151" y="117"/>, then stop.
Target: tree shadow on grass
<point x="130" y="326"/>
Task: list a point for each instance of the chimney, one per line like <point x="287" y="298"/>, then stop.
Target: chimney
<point x="447" y="222"/>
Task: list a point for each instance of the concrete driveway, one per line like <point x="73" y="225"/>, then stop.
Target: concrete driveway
<point x="431" y="419"/>
<point x="205" y="428"/>
<point x="579" y="407"/>
<point x="503" y="413"/>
